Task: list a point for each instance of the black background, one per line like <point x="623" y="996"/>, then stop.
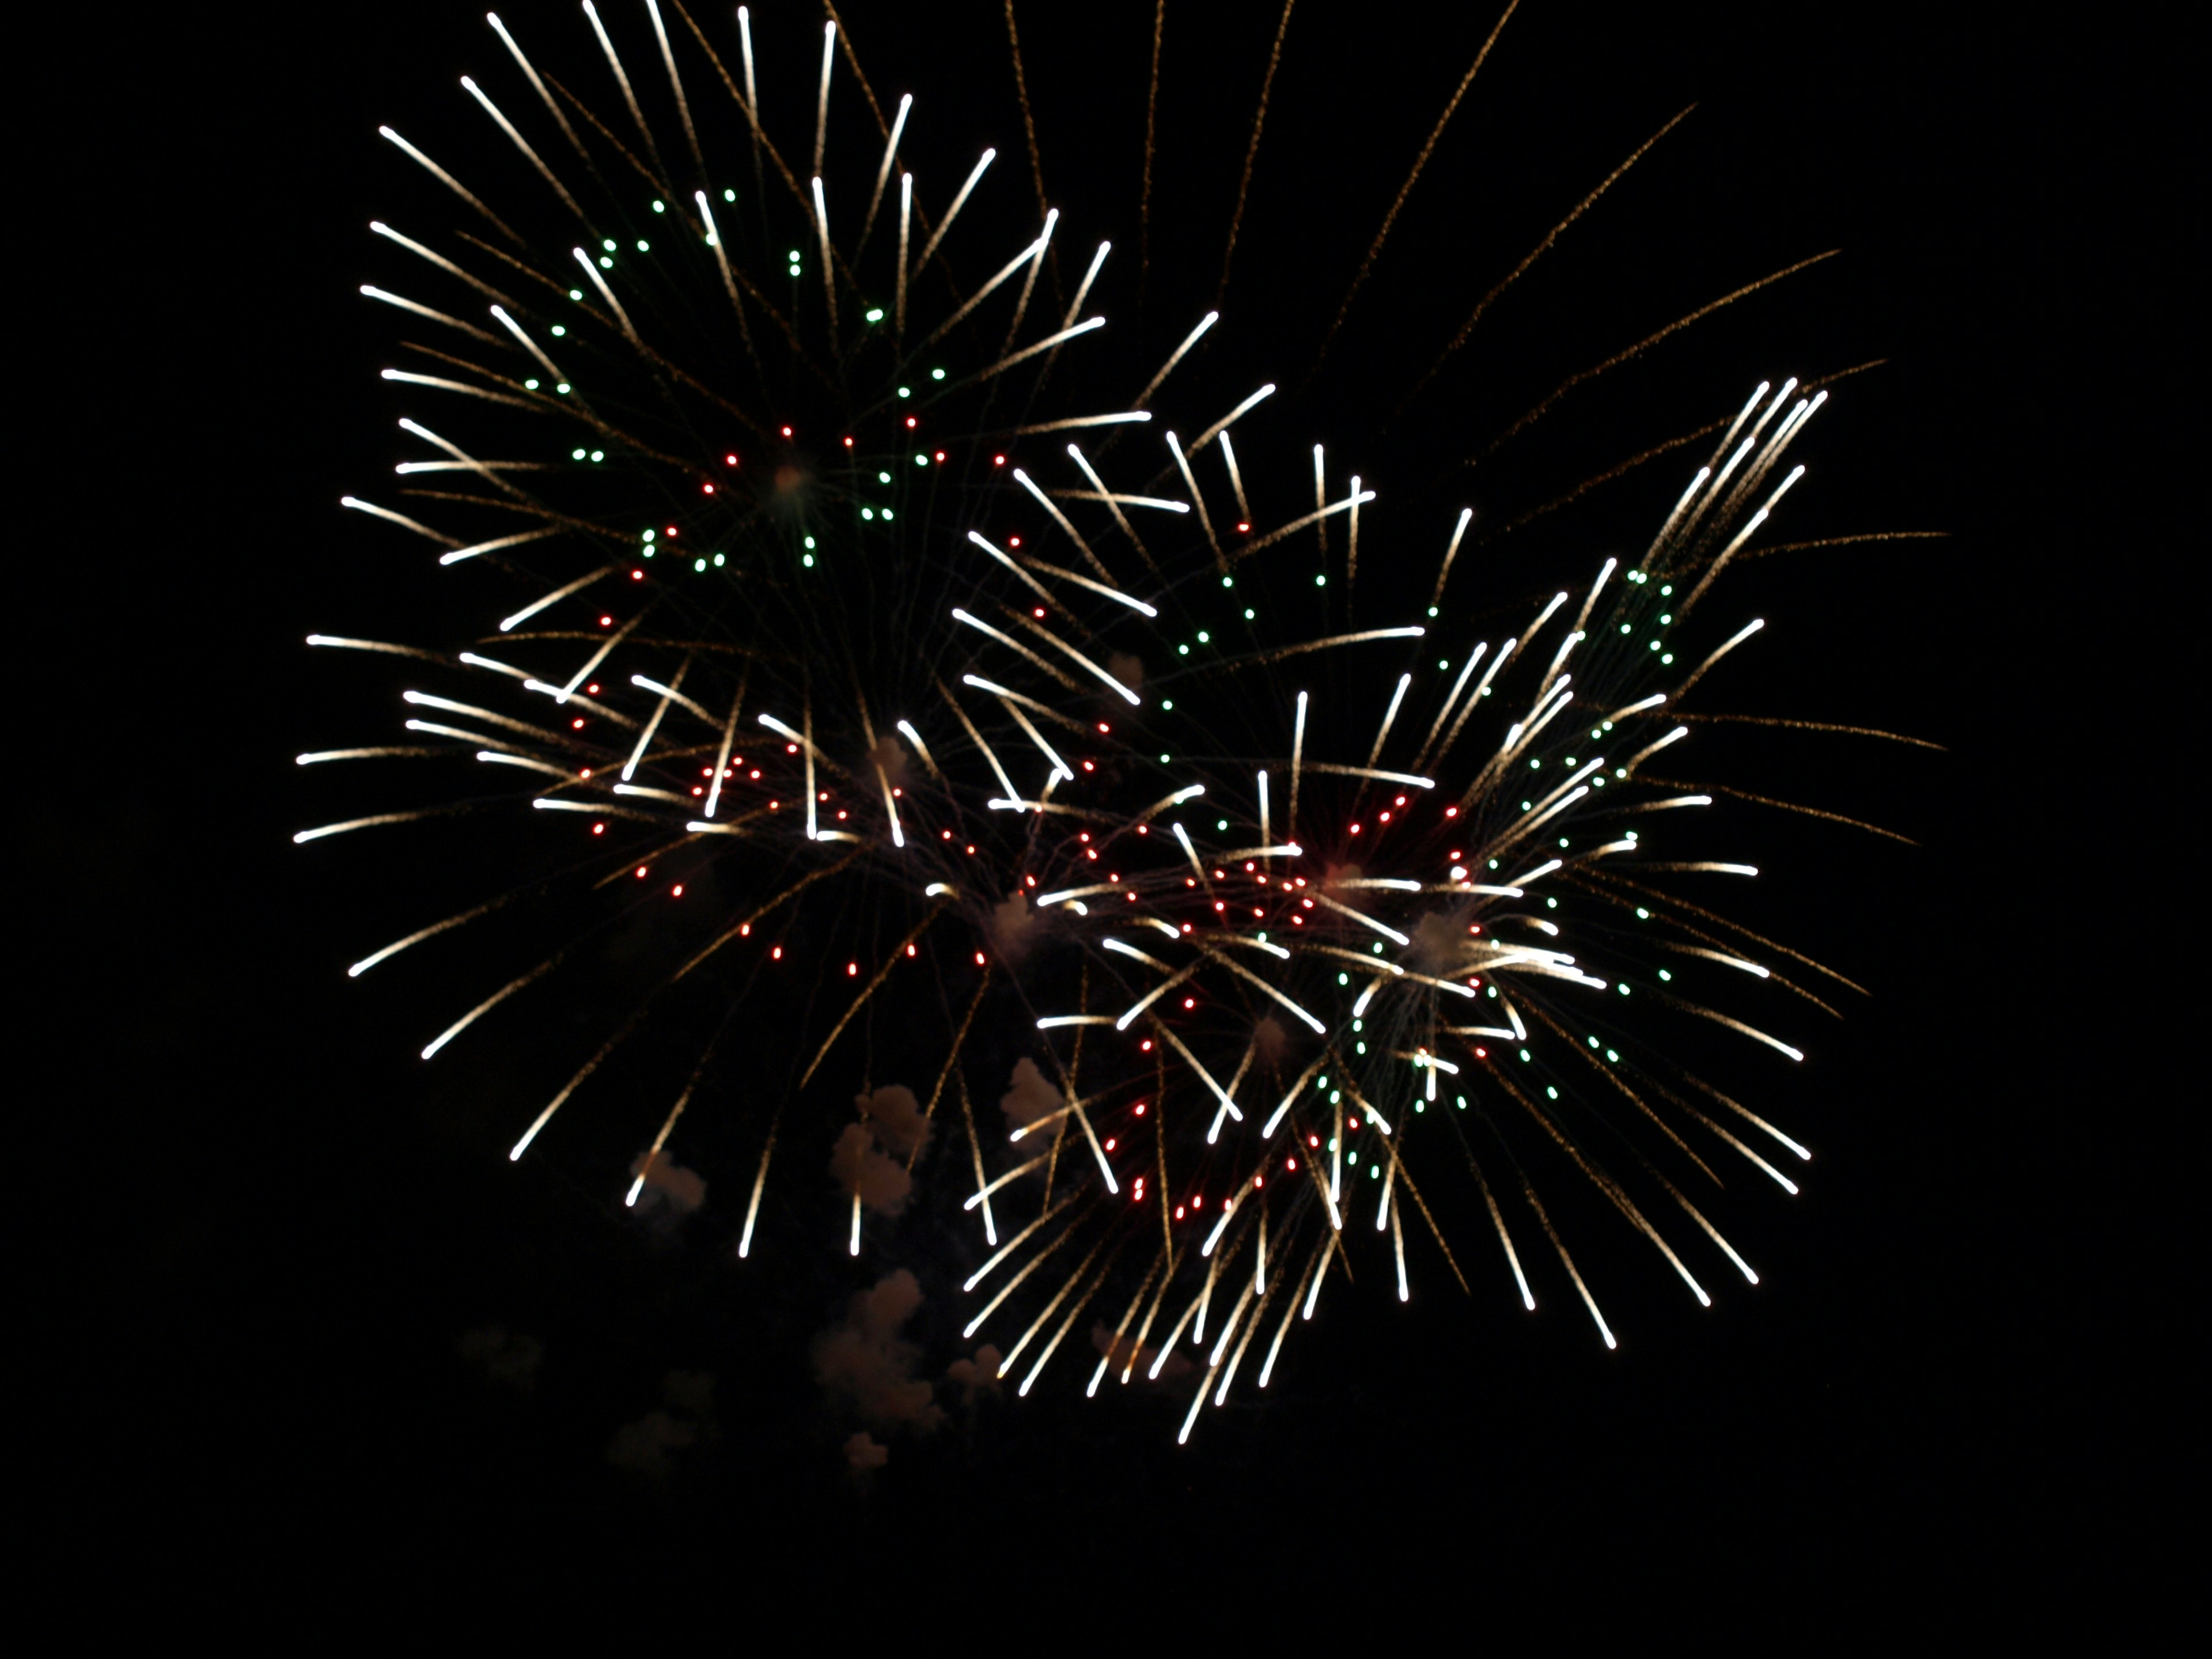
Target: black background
<point x="1936" y="1411"/>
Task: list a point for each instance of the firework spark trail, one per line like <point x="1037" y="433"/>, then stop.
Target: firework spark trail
<point x="1404" y="942"/>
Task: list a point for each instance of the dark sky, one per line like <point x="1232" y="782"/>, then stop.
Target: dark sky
<point x="278" y="1232"/>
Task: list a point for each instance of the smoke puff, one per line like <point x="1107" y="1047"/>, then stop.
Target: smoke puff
<point x="977" y="1376"/>
<point x="862" y="1453"/>
<point x="1030" y="1098"/>
<point x="504" y="1358"/>
<point x="1440" y="942"/>
<point x="895" y="1116"/>
<point x="642" y="1447"/>
<point x="888" y="757"/>
<point x="1129" y="670"/>
<point x="878" y="1182"/>
<point x="669" y="1184"/>
<point x="863" y="1358"/>
<point x="1009" y="926"/>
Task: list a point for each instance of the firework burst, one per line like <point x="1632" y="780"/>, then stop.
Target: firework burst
<point x="859" y="630"/>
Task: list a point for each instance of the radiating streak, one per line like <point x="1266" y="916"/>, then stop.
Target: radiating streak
<point x="976" y="1149"/>
<point x="507" y="624"/>
<point x="399" y="518"/>
<point x="1028" y="256"/>
<point x="1661" y="806"/>
<point x="1053" y="1022"/>
<point x="1076" y="657"/>
<point x="1280" y="652"/>
<point x="1014" y="645"/>
<point x="1099" y="588"/>
<point x="1443" y="713"/>
<point x="1268" y="1129"/>
<point x="1727" y="1248"/>
<point x="1007" y="560"/>
<point x="1390" y="715"/>
<point x="1074" y="422"/>
<point x="1266" y="834"/>
<point x="657" y="794"/>
<point x="1110" y="497"/>
<point x="481" y="468"/>
<point x="537" y="351"/>
<point x="1451" y="552"/>
<point x="1058" y="1336"/>
<point x="1221" y="426"/>
<point x="1383" y="928"/>
<point x="1370" y="963"/>
<point x="1328" y="1245"/>
<point x="522" y="144"/>
<point x="450" y="182"/>
<point x="752" y="1207"/>
<point x="371" y="293"/>
<point x="417" y="936"/>
<point x="499" y="29"/>
<point x="1013" y="1284"/>
<point x="989" y="753"/>
<point x="821" y="104"/>
<point x="1214" y="1130"/>
<point x="890" y="805"/>
<point x="382" y="751"/>
<point x="1197" y="1304"/>
<point x="622" y="77"/>
<point x="401" y="376"/>
<point x="806" y="750"/>
<point x="381" y="646"/>
<point x="1189" y="852"/>
<point x="1060" y="519"/>
<point x="1228" y="1326"/>
<point x="1408" y="778"/>
<point x="1045" y="344"/>
<point x="1052" y="1307"/>
<point x="1121" y="1329"/>
<point x="377" y="227"/>
<point x="1289" y="1310"/>
<point x="364" y="824"/>
<point x="1082" y="1118"/>
<point x="456" y="732"/>
<point x="1244" y="973"/>
<point x="1737" y="963"/>
<point x="883" y="172"/>
<point x="959" y="201"/>
<point x="607" y="293"/>
<point x="1174" y="357"/>
<point x="1775" y="1044"/>
<point x="722" y="754"/>
<point x="1204" y="1076"/>
<point x="822" y="222"/>
<point x="1198" y="502"/>
<point x="1189" y="792"/>
<point x="921" y="748"/>
<point x="599" y="657"/>
<point x="906" y="219"/>
<point x="496" y="756"/>
<point x="1011" y="1245"/>
<point x="1297" y="759"/>
<point x="1156" y="993"/>
<point x="1738" y="638"/>
<point x="1061" y="895"/>
<point x="1398" y="1239"/>
<point x="982" y="1192"/>
<point x="671" y="693"/>
<point x="1028" y="282"/>
<point x="1351" y="538"/>
<point x="1012" y="702"/>
<point x="485" y="1007"/>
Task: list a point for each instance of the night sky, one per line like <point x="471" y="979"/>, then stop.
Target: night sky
<point x="280" y="1232"/>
